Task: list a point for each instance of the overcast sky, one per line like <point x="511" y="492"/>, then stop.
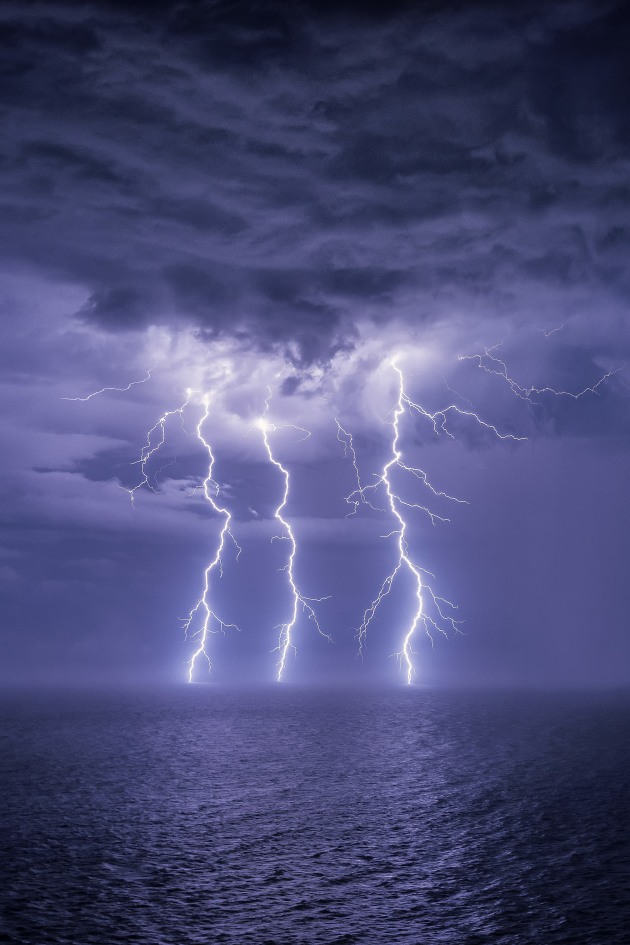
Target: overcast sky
<point x="241" y="196"/>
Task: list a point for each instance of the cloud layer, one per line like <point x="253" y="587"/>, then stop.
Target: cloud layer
<point x="290" y="172"/>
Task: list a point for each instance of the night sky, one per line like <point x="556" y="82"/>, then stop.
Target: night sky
<point x="234" y="195"/>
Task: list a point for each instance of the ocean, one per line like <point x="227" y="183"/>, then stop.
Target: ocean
<point x="282" y="816"/>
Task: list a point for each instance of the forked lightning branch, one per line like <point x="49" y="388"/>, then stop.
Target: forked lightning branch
<point x="431" y="613"/>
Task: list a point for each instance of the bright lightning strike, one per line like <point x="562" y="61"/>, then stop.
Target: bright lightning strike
<point x="431" y="612"/>
<point x="299" y="600"/>
<point x="210" y="619"/>
<point x="397" y="506"/>
<point x="155" y="439"/>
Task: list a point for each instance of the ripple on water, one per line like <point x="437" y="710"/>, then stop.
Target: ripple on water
<point x="198" y="815"/>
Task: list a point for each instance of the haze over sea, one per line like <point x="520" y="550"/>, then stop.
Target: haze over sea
<point x="281" y="815"/>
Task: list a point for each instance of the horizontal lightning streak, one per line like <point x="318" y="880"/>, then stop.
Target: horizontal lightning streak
<point x="548" y="332"/>
<point x="105" y="390"/>
<point x="489" y="363"/>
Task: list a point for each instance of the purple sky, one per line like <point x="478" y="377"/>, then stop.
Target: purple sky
<point x="237" y="195"/>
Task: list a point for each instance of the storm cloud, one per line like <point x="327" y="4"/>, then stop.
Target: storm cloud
<point x="309" y="187"/>
<point x="289" y="170"/>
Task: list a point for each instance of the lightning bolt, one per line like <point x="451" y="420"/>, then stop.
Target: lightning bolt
<point x="349" y="452"/>
<point x="151" y="448"/>
<point x="299" y="600"/>
<point x="210" y="619"/>
<point x="432" y="612"/>
<point x="155" y="439"/>
<point x="548" y="332"/>
<point x="398" y="506"/>
<point x="491" y="364"/>
<point x="105" y="390"/>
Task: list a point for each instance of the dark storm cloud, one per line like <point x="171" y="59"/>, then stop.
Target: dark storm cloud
<point x="115" y="308"/>
<point x="289" y="170"/>
<point x="583" y="126"/>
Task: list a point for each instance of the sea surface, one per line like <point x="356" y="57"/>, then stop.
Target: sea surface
<point x="201" y="815"/>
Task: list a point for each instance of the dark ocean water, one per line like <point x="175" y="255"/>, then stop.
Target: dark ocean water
<point x="280" y="816"/>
